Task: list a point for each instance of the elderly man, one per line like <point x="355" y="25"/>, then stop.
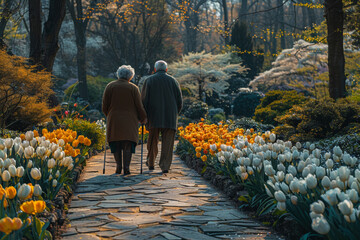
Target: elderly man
<point x="162" y="99"/>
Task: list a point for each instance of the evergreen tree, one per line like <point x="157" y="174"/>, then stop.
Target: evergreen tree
<point x="243" y="41"/>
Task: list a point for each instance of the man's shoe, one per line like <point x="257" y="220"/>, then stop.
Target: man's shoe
<point x="126" y="173"/>
<point x="165" y="171"/>
<point x="151" y="168"/>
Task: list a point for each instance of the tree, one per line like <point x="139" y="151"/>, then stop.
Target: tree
<point x="9" y="8"/>
<point x="44" y="43"/>
<point x="336" y="61"/>
<point x="244" y="44"/>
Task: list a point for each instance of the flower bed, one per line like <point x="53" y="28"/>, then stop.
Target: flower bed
<point x="318" y="189"/>
<point x="36" y="178"/>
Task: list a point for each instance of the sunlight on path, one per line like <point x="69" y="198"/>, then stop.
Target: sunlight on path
<point x="181" y="205"/>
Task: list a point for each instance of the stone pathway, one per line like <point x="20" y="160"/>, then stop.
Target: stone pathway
<point x="181" y="205"/>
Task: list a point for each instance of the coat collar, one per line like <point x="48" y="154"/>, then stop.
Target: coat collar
<point x="123" y="80"/>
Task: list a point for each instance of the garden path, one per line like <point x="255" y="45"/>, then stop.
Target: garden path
<point x="181" y="205"/>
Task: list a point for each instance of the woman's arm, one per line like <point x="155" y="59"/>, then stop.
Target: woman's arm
<point x="139" y="106"/>
<point x="106" y="101"/>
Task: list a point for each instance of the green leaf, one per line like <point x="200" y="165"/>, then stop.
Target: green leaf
<point x="204" y="169"/>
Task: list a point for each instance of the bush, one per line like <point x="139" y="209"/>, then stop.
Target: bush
<point x="96" y="87"/>
<point x="248" y="123"/>
<point x="196" y="110"/>
<point x="215" y="100"/>
<point x="24" y="93"/>
<point x="185" y="92"/>
<point x="245" y="103"/>
<point x="276" y="103"/>
<point x="319" y="119"/>
<point x="88" y="129"/>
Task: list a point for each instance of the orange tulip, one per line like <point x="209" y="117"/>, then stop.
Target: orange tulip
<point x="10" y="192"/>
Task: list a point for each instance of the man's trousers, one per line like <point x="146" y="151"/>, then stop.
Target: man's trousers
<point x="167" y="147"/>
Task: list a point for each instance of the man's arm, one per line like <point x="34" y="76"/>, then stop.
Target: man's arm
<point x="145" y="95"/>
<point x="178" y="94"/>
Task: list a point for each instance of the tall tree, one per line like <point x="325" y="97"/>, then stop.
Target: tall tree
<point x="226" y="22"/>
<point x="44" y="44"/>
<point x="336" y="61"/>
<point x="81" y="12"/>
<point x="8" y="9"/>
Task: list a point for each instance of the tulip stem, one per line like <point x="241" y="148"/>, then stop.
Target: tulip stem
<point x="4" y="237"/>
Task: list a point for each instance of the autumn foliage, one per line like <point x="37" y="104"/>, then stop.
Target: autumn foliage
<point x="23" y="93"/>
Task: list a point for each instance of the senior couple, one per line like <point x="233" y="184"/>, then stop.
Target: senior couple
<point x="158" y="106"/>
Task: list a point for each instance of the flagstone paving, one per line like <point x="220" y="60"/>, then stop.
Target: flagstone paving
<point x="179" y="205"/>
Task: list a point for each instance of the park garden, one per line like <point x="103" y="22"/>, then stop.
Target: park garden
<point x="271" y="109"/>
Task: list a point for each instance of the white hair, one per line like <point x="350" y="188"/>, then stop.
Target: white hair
<point x="125" y="72"/>
<point x="160" y="65"/>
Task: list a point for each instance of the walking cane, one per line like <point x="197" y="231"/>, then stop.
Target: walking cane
<point x="104" y="153"/>
<point x="142" y="147"/>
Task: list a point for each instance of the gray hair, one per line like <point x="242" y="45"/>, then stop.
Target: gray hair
<point x="160" y="65"/>
<point x="125" y="72"/>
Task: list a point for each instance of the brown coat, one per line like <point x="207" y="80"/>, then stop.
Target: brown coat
<point x="123" y="108"/>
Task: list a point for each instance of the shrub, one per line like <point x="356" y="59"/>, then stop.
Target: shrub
<point x="90" y="130"/>
<point x="319" y="119"/>
<point x="215" y="100"/>
<point x="248" y="123"/>
<point x="96" y="86"/>
<point x="276" y="103"/>
<point x="196" y="110"/>
<point x="24" y="93"/>
<point x="245" y="103"/>
<point x="186" y="92"/>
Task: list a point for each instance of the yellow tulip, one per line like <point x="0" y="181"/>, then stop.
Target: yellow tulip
<point x="10" y="192"/>
<point x="33" y="207"/>
<point x="6" y="225"/>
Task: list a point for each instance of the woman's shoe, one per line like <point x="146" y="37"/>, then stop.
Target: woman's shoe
<point x="126" y="172"/>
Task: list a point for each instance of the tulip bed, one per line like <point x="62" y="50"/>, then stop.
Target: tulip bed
<point x="318" y="189"/>
<point x="34" y="169"/>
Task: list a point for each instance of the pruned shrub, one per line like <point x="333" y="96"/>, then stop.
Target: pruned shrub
<point x="196" y="110"/>
<point x="245" y="103"/>
<point x="319" y="119"/>
<point x="275" y="104"/>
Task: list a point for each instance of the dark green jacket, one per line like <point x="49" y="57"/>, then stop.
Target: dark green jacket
<point x="162" y="99"/>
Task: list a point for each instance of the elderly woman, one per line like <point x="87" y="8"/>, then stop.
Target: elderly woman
<point x="124" y="110"/>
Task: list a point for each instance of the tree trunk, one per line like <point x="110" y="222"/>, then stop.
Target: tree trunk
<point x="5" y="16"/>
<point x="282" y="24"/>
<point x="50" y="38"/>
<point x="226" y="23"/>
<point x="81" y="66"/>
<point x="35" y="31"/>
<point x="335" y="21"/>
<point x="243" y="10"/>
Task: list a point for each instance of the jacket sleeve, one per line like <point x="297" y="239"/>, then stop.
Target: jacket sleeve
<point x="139" y="105"/>
<point x="145" y="95"/>
<point x="106" y="101"/>
<point x="178" y="94"/>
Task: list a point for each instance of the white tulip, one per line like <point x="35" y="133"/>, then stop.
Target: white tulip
<point x="29" y="135"/>
<point x="20" y="171"/>
<point x="353" y="195"/>
<point x="281" y="167"/>
<point x="315" y="215"/>
<point x="312" y="147"/>
<point x="340" y="184"/>
<point x="269" y="170"/>
<point x="6" y="176"/>
<point x="351" y="218"/>
<point x="281" y="158"/>
<point x="329" y="163"/>
<point x="320" y="172"/>
<point x="305" y="172"/>
<point x="272" y="137"/>
<point x="280" y="175"/>
<point x="294" y="186"/>
<point x="318" y="207"/>
<point x="294" y="199"/>
<point x="54" y="183"/>
<point x="29" y="152"/>
<point x="325" y="182"/>
<point x="301" y="166"/>
<point x="327" y="155"/>
<point x="244" y="176"/>
<point x="33" y="142"/>
<point x="268" y="192"/>
<point x="302" y="187"/>
<point x="57" y="174"/>
<point x="2" y="144"/>
<point x="295" y="154"/>
<point x="355" y="186"/>
<point x="51" y="163"/>
<point x="320" y="225"/>
<point x="291" y="169"/>
<point x="280" y="196"/>
<point x="288" y="157"/>
<point x="288" y="178"/>
<point x="284" y="187"/>
<point x="35" y="173"/>
<point x="298" y="145"/>
<point x="344" y="173"/>
<point x="281" y="206"/>
<point x="256" y="162"/>
<point x="30" y="164"/>
<point x="12" y="170"/>
<point x="247" y="162"/>
<point x="9" y="143"/>
<point x="337" y="151"/>
<point x="24" y="191"/>
<point x="249" y="170"/>
<point x="346" y="207"/>
<point x="333" y="184"/>
<point x="7" y="163"/>
<point x="40" y="151"/>
<point x="16" y="147"/>
<point x="37" y="190"/>
<point x="311" y="181"/>
<point x="333" y="175"/>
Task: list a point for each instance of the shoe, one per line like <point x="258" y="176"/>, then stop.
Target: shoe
<point x="150" y="167"/>
<point x="118" y="171"/>
<point x="165" y="171"/>
<point x="126" y="173"/>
